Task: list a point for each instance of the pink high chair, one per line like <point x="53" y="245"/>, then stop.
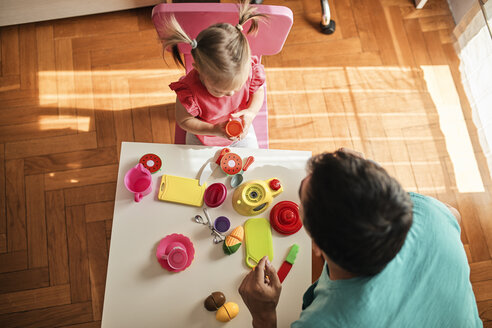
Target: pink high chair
<point x="195" y="17"/>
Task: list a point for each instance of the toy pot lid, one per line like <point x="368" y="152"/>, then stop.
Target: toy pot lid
<point x="215" y="194"/>
<point x="284" y="218"/>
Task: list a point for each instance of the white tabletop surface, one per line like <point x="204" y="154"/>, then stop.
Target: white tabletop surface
<point x="140" y="293"/>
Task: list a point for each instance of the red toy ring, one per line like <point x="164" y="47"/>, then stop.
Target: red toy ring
<point x="284" y="217"/>
<point x="151" y="162"/>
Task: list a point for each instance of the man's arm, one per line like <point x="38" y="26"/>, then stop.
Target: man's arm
<point x="260" y="291"/>
<point x="454" y="211"/>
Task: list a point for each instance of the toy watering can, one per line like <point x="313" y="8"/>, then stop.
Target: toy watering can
<point x="254" y="197"/>
<point x="139" y="181"/>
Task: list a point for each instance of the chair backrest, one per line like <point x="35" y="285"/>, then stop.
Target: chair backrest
<point x="195" y="17"/>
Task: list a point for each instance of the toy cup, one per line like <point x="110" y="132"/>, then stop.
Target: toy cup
<point x="139" y="181"/>
<point x="175" y="252"/>
<point x="222" y="224"/>
<point x="176" y="257"/>
<point x="234" y="128"/>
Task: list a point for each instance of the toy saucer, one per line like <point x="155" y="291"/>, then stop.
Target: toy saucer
<point x="284" y="217"/>
<point x="165" y="246"/>
<point x="151" y="162"/>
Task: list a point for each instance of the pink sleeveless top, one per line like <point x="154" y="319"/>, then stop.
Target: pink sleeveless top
<point x="201" y="104"/>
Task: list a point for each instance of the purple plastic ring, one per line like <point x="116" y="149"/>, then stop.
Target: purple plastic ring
<point x="222" y="224"/>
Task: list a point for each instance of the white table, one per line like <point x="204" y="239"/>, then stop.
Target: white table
<point x="140" y="293"/>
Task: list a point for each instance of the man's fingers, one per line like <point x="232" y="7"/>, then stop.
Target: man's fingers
<point x="272" y="274"/>
<point x="260" y="270"/>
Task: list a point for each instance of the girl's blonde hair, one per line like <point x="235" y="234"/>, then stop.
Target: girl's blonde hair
<point x="221" y="51"/>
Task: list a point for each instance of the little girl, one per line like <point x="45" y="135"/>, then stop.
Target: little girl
<point x="226" y="82"/>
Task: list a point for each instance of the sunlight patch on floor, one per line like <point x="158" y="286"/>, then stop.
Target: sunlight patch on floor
<point x="452" y="123"/>
<point x="97" y="89"/>
<point x="60" y="122"/>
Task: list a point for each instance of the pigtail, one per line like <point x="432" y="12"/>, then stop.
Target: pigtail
<point x="246" y="13"/>
<point x="173" y="36"/>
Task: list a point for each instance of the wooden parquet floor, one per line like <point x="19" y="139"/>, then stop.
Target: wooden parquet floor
<point x="386" y="83"/>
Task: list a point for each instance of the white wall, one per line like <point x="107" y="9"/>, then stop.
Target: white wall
<point x="27" y="11"/>
<point x="459" y="8"/>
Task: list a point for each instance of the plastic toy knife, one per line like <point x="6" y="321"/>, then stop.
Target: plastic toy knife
<point x="289" y="261"/>
<point x="211" y="165"/>
<point x="207" y="171"/>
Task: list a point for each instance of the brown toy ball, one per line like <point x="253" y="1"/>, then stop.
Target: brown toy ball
<point x="214" y="301"/>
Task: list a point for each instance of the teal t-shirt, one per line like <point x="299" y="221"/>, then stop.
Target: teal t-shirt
<point x="426" y="285"/>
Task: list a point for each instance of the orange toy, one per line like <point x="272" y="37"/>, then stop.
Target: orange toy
<point x="234" y="128"/>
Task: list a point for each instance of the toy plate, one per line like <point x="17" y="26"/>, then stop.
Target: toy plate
<point x="165" y="242"/>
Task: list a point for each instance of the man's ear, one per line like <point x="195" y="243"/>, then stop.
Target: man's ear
<point x="317" y="251"/>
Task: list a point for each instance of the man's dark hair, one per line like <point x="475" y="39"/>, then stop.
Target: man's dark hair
<point x="355" y="212"/>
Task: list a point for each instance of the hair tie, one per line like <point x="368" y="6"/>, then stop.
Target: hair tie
<point x="193" y="44"/>
<point x="239" y="27"/>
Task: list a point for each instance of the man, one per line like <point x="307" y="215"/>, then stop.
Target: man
<point x="393" y="259"/>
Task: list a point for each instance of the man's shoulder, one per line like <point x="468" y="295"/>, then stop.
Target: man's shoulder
<point x="430" y="211"/>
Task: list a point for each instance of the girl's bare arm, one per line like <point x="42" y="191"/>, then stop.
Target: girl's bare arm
<point x="247" y="115"/>
<point x="194" y="125"/>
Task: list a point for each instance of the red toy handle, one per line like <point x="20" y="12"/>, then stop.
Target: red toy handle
<point x="249" y="161"/>
<point x="283" y="271"/>
<point x="222" y="153"/>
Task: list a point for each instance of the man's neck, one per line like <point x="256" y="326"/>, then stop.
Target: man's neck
<point x="336" y="272"/>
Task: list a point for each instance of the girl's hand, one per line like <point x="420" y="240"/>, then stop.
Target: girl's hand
<point x="246" y="117"/>
<point x="219" y="130"/>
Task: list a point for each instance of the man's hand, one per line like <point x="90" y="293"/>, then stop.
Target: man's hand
<point x="260" y="291"/>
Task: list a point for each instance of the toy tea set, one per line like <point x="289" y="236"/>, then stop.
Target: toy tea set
<point x="175" y="252"/>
